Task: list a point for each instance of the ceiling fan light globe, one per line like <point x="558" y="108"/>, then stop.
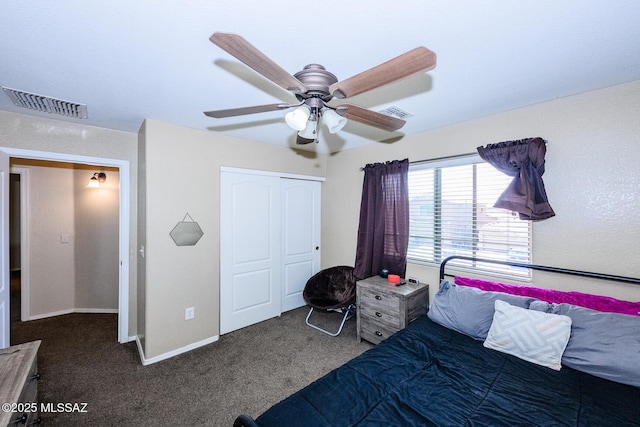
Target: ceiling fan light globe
<point x="310" y="131"/>
<point x="297" y="119"/>
<point x="334" y="121"/>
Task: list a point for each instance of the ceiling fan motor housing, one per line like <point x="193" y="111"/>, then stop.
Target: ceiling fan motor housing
<point x="317" y="81"/>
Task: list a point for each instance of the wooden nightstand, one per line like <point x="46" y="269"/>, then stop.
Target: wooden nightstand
<point x="19" y="384"/>
<point x="384" y="309"/>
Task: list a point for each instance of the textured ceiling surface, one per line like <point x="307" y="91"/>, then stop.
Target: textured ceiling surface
<point x="131" y="60"/>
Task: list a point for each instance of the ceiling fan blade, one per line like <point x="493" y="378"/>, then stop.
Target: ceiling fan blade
<point x="251" y="56"/>
<point x="303" y="141"/>
<point x="218" y="114"/>
<point x="370" y="118"/>
<point x="415" y="61"/>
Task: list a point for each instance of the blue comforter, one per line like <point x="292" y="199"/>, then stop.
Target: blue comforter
<point x="428" y="375"/>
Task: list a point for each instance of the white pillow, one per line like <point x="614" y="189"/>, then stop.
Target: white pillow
<point x="530" y="335"/>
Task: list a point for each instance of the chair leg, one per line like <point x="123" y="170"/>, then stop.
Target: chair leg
<point x="348" y="314"/>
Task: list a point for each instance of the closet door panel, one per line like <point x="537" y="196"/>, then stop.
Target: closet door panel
<point x="300" y="238"/>
<point x="250" y="250"/>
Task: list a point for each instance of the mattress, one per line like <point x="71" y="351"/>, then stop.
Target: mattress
<point x="428" y="375"/>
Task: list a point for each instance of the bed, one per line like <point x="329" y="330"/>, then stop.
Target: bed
<point x="457" y="365"/>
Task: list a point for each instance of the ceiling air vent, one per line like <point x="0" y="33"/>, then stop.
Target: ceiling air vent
<point x="396" y="112"/>
<point x="47" y="104"/>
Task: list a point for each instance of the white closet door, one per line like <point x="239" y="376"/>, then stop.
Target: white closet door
<point x="300" y="238"/>
<point x="250" y="249"/>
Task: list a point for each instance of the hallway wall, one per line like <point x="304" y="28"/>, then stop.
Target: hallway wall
<point x="72" y="239"/>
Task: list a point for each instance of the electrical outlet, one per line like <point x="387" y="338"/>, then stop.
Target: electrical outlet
<point x="189" y="313"/>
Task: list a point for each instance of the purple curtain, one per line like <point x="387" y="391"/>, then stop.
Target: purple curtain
<point x="383" y="233"/>
<point x="524" y="161"/>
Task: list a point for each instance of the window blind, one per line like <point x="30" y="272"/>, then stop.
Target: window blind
<point x="451" y="213"/>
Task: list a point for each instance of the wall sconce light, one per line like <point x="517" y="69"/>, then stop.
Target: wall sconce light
<point x="97" y="179"/>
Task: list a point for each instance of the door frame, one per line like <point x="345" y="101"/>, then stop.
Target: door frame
<point x="25" y="278"/>
<point x="124" y="218"/>
<point x="270" y="173"/>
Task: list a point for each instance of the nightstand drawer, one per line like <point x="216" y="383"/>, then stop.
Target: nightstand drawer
<point x="388" y="319"/>
<point x="375" y="332"/>
<point x="378" y="300"/>
<point x="30" y="391"/>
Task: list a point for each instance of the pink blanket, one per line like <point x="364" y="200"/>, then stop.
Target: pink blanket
<point x="594" y="302"/>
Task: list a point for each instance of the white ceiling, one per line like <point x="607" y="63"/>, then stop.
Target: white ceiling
<point x="131" y="60"/>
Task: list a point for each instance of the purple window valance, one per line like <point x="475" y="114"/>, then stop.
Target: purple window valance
<point x="524" y="161"/>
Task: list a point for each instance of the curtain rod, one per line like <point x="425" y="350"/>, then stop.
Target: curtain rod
<point x="450" y="157"/>
<point x="455" y="156"/>
<point x="439" y="159"/>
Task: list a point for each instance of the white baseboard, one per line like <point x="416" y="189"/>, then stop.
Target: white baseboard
<point x="97" y="310"/>
<point x="172" y="353"/>
<point x="74" y="310"/>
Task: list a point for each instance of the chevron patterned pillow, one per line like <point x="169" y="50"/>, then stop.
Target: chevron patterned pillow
<point x="530" y="335"/>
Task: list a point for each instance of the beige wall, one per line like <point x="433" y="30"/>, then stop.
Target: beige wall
<point x="182" y="175"/>
<point x="49" y="135"/>
<point x="141" y="271"/>
<point x="52" y="265"/>
<point x="96" y="238"/>
<point x="592" y="179"/>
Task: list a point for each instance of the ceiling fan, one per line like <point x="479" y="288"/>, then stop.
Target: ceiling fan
<point x="314" y="87"/>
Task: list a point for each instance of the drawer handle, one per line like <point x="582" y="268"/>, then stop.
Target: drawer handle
<point x="378" y="297"/>
<point x="21" y="420"/>
<point x="378" y="314"/>
<point x="378" y="333"/>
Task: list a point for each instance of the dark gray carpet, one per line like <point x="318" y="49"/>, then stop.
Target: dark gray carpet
<point x="246" y="371"/>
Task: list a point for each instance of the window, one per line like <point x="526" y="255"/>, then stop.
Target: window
<point x="451" y="213"/>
